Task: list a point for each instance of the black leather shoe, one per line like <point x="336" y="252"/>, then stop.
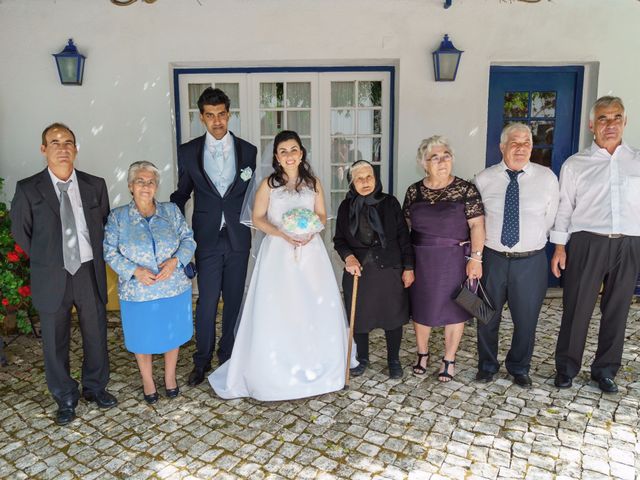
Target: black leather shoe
<point x="151" y="398"/>
<point x="359" y="370"/>
<point x="522" y="380"/>
<point x="607" y="385"/>
<point x="395" y="369"/>
<point x="65" y="415"/>
<point x="484" y="377"/>
<point x="196" y="377"/>
<point x="102" y="398"/>
<point x="172" y="392"/>
<point x="563" y="381"/>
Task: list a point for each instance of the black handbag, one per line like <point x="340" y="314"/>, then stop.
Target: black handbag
<point x="475" y="301"/>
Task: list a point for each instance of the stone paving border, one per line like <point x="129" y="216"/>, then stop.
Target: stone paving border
<point x="415" y="428"/>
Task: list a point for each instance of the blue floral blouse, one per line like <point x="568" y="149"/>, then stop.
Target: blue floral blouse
<point x="131" y="241"/>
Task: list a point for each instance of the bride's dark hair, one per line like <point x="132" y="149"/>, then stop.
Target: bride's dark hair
<point x="305" y="174"/>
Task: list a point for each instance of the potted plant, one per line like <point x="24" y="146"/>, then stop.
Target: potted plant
<point x="15" y="289"/>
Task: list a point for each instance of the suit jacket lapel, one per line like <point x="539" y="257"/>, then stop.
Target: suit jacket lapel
<point x="238" y="155"/>
<point x="203" y="172"/>
<point x="48" y="192"/>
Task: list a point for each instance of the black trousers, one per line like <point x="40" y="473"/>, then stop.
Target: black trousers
<point x="82" y="292"/>
<point x="220" y="270"/>
<point x="594" y="261"/>
<point x="393" y="337"/>
<point x="522" y="282"/>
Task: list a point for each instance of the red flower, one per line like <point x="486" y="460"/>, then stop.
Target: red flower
<point x="25" y="290"/>
<point x="5" y="302"/>
<point x="13" y="257"/>
<point x="18" y="250"/>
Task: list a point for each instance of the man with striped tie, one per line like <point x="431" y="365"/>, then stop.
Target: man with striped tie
<point x="58" y="217"/>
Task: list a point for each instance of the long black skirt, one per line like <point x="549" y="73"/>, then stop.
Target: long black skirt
<point x="382" y="301"/>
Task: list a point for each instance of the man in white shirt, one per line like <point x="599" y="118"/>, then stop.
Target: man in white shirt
<point x="520" y="201"/>
<point x="597" y="237"/>
<point x="58" y="217"/>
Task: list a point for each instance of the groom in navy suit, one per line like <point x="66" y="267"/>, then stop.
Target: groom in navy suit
<point x="217" y="167"/>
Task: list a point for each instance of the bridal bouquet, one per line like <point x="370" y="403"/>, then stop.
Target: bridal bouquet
<point x="301" y="224"/>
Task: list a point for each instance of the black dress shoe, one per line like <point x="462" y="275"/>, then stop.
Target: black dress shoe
<point x="151" y="398"/>
<point x="359" y="370"/>
<point x="395" y="369"/>
<point x="102" y="398"/>
<point x="172" y="392"/>
<point x="522" y="380"/>
<point x="607" y="385"/>
<point x="484" y="377"/>
<point x="563" y="381"/>
<point x="65" y="415"/>
<point x="196" y="377"/>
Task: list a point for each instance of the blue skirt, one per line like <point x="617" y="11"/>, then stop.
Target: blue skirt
<point x="157" y="326"/>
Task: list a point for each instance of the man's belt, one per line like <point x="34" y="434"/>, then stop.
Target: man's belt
<point x="530" y="253"/>
<point x="608" y="235"/>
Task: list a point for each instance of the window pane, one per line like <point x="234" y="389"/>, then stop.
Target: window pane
<point x="234" y="122"/>
<point x="542" y="156"/>
<point x="342" y="150"/>
<point x="271" y="95"/>
<point x="195" y="90"/>
<point x="299" y="122"/>
<point x="543" y="104"/>
<point x="233" y="92"/>
<point x="369" y="149"/>
<point x="369" y="122"/>
<point x="516" y="104"/>
<point x="342" y="122"/>
<point x="336" y="200"/>
<point x="342" y="94"/>
<point x="542" y="133"/>
<point x="266" y="145"/>
<point x="270" y="122"/>
<point x="339" y="177"/>
<point x="196" y="128"/>
<point x="299" y="94"/>
<point x="370" y="94"/>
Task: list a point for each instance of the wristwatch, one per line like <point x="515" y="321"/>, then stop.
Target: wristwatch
<point x="477" y="253"/>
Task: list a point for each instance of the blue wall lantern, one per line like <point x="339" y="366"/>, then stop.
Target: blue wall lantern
<point x="70" y="65"/>
<point x="446" y="60"/>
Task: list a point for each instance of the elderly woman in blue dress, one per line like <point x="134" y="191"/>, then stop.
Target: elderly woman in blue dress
<point x="148" y="243"/>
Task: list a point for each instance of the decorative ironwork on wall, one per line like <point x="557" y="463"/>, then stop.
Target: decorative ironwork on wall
<point x="124" y="3"/>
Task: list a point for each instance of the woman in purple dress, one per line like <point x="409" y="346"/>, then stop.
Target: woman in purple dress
<point x="446" y="218"/>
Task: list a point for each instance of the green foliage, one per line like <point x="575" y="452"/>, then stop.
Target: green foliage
<point x="15" y="289"/>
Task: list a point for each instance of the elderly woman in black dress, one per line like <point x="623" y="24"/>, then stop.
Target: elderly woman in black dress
<point x="373" y="240"/>
<point x="446" y="217"/>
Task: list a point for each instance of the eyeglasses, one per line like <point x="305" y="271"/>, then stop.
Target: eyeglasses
<point x="446" y="157"/>
<point x="138" y="182"/>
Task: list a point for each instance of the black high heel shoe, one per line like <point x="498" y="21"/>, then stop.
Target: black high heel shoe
<point x="172" y="392"/>
<point x="151" y="398"/>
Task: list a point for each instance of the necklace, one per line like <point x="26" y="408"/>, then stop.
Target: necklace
<point x="440" y="194"/>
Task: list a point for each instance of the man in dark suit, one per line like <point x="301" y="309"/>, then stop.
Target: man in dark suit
<point x="217" y="167"/>
<point x="58" y="217"/>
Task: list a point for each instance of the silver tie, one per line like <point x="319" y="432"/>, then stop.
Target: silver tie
<point x="70" y="245"/>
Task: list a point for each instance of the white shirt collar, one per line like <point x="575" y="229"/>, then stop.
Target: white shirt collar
<point x="523" y="169"/>
<point x="55" y="179"/>
<point x="211" y="141"/>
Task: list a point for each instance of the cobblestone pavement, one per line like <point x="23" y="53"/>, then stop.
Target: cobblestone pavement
<point x="415" y="428"/>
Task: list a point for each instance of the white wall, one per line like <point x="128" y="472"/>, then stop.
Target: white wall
<point x="123" y="112"/>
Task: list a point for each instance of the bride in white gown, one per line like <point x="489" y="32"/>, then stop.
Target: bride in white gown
<point x="292" y="337"/>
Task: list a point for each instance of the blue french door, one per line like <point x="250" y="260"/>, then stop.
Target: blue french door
<point x="548" y="99"/>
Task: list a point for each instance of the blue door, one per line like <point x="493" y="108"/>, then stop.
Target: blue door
<point x="548" y="99"/>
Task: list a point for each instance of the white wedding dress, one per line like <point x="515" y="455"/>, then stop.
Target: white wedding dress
<point x="292" y="337"/>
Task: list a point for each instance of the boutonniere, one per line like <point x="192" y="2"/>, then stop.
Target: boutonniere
<point x="246" y="174"/>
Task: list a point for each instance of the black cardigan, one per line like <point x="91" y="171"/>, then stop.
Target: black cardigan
<point x="397" y="254"/>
